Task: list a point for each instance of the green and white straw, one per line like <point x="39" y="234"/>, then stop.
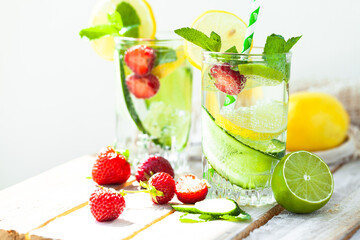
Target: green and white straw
<point x="249" y="35"/>
<point x="251" y="27"/>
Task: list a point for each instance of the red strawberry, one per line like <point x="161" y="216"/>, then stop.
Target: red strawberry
<point x="143" y="86"/>
<point x="189" y="189"/>
<point x="106" y="204"/>
<point x="140" y="59"/>
<point x="152" y="165"/>
<point x="227" y="80"/>
<point x="161" y="187"/>
<point x="110" y="167"/>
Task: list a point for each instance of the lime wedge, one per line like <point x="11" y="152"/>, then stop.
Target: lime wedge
<point x="260" y="75"/>
<point x="302" y="182"/>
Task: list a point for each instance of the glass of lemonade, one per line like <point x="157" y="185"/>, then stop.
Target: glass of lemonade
<point x="244" y="120"/>
<point x="153" y="98"/>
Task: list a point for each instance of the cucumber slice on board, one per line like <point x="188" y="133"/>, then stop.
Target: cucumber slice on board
<point x="212" y="207"/>
<point x="236" y="162"/>
<point x="189" y="208"/>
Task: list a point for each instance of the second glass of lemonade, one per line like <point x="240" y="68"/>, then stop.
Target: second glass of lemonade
<point x="153" y="98"/>
<point x="244" y="131"/>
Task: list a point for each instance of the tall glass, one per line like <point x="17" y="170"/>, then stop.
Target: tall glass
<point x="244" y="120"/>
<point x="153" y="109"/>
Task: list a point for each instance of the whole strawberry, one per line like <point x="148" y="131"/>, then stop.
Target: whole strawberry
<point x="140" y="59"/>
<point x="227" y="80"/>
<point x="152" y="165"/>
<point x="106" y="204"/>
<point x="189" y="189"/>
<point x="161" y="187"/>
<point x="110" y="167"/>
<point x="143" y="87"/>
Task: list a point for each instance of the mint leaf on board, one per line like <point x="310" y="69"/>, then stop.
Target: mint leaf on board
<point x="164" y="55"/>
<point x="99" y="31"/>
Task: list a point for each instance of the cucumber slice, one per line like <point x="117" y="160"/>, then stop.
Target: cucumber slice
<point x="196" y="218"/>
<point x="218" y="207"/>
<point x="129" y="103"/>
<point x="239" y="218"/>
<point x="233" y="160"/>
<point x="188" y="208"/>
<point x="212" y="207"/>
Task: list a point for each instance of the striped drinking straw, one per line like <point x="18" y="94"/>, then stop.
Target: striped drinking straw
<point x="249" y="35"/>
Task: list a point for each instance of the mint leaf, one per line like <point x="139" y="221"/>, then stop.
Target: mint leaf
<point x="128" y="31"/>
<point x="123" y="22"/>
<point x="277" y="44"/>
<point x="99" y="31"/>
<point x="274" y="44"/>
<point x="291" y="42"/>
<point x="164" y="55"/>
<point x="194" y="36"/>
<point x="115" y="19"/>
<point x="214" y="42"/>
<point x="129" y="17"/>
<point x="232" y="50"/>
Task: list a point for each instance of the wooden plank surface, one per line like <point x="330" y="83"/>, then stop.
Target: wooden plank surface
<point x="336" y="220"/>
<point x="32" y="202"/>
<point x="45" y="201"/>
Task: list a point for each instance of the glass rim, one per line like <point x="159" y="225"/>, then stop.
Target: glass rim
<point x="211" y="54"/>
<point x="161" y="40"/>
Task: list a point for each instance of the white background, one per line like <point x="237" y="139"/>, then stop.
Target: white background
<point x="57" y="96"/>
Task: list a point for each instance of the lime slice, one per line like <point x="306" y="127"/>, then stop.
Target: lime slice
<point x="264" y="121"/>
<point x="302" y="182"/>
<point x="230" y="28"/>
<point x="236" y="162"/>
<point x="261" y="71"/>
<point x="168" y="117"/>
<point x="105" y="46"/>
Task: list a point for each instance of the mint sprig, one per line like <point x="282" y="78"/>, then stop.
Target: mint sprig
<point x="274" y="47"/>
<point x="277" y="44"/>
<point x="212" y="43"/>
<point x="123" y="22"/>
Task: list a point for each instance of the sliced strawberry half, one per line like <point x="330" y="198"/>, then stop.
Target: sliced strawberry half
<point x="140" y="59"/>
<point x="143" y="86"/>
<point x="227" y="80"/>
<point x="189" y="189"/>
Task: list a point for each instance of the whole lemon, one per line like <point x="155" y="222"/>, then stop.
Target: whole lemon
<point x="317" y="121"/>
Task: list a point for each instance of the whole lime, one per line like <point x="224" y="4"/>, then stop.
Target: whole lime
<point x="302" y="182"/>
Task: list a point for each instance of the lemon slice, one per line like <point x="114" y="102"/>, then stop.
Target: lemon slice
<point x="105" y="46"/>
<point x="264" y="121"/>
<point x="165" y="69"/>
<point x="230" y="27"/>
